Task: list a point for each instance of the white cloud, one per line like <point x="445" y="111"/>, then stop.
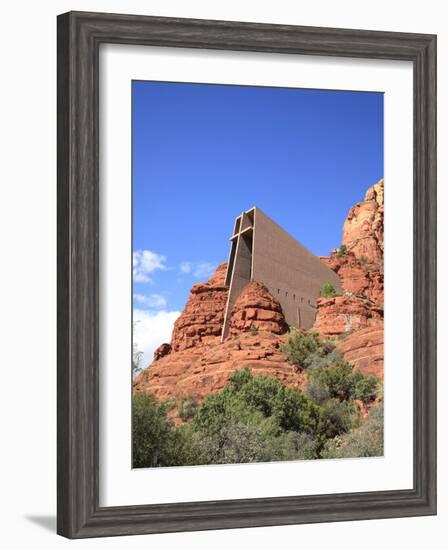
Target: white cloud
<point x="145" y="262"/>
<point x="151" y="330"/>
<point x="151" y="300"/>
<point x="185" y="267"/>
<point x="198" y="269"/>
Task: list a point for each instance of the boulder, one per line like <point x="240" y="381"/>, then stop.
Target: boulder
<point x="255" y="309"/>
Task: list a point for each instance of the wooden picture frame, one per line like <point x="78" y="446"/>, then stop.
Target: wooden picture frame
<point x="79" y="37"/>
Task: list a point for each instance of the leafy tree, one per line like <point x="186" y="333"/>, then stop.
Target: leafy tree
<point x="246" y="396"/>
<point x="366" y="387"/>
<point x="339" y="417"/>
<point x="339" y="381"/>
<point x="256" y="418"/>
<point x="151" y="433"/>
<point x="256" y="440"/>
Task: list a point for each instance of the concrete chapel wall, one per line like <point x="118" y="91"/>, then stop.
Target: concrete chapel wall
<point x="262" y="251"/>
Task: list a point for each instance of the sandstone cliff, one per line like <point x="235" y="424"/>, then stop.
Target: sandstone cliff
<point x="363" y="231"/>
<point x="201" y="320"/>
<point x="358" y="314"/>
<point x="196" y="362"/>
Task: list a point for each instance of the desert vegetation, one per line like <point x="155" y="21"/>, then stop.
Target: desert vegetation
<point x="257" y="419"/>
<point x="328" y="291"/>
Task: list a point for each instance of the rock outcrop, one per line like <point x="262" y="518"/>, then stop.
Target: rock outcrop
<point x="161" y="351"/>
<point x="359" y="277"/>
<point x="196" y="362"/>
<point x="358" y="314"/>
<point x="206" y="368"/>
<point x="363" y="232"/>
<point x="254" y="310"/>
<point x="365" y="349"/>
<point x="342" y="315"/>
<point x="202" y="318"/>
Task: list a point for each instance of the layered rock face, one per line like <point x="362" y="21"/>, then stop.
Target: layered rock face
<point x="342" y="315"/>
<point x="365" y="349"/>
<point x="363" y="231"/>
<point x="202" y="318"/>
<point x="206" y="368"/>
<point x="359" y="277"/>
<point x="358" y="314"/>
<point x="196" y="362"/>
<point x="254" y="310"/>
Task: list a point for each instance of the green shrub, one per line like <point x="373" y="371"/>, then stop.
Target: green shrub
<point x="236" y="441"/>
<point x="256" y="418"/>
<point x="151" y="433"/>
<point x="299" y="446"/>
<point x="317" y="360"/>
<point x="297" y="412"/>
<point x="186" y="447"/>
<point x="341" y="250"/>
<point x="246" y="396"/>
<point x="253" y="330"/>
<point x="301" y="344"/>
<point x="255" y="441"/>
<point x="328" y="291"/>
<point x="188" y="408"/>
<point x="340" y="382"/>
<point x="366" y="387"/>
<point x="339" y="417"/>
<point x="367" y="440"/>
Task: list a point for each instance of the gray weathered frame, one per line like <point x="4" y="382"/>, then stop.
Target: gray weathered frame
<point x="79" y="37"/>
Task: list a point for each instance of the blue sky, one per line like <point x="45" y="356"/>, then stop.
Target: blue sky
<point x="204" y="153"/>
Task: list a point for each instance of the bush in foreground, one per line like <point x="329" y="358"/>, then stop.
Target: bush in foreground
<point x="367" y="440"/>
<point x="340" y="382"/>
<point x="301" y="345"/>
<point x="246" y="397"/>
<point x="257" y="419"/>
<point x="151" y="433"/>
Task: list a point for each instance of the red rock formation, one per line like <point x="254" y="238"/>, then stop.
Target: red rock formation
<point x="200" y="363"/>
<point x="345" y="314"/>
<point x="360" y="269"/>
<point x="365" y="349"/>
<point x="197" y="362"/>
<point x="256" y="309"/>
<point x="206" y="368"/>
<point x="161" y="351"/>
<point x="363" y="230"/>
<point x="202" y="318"/>
<point x="358" y="277"/>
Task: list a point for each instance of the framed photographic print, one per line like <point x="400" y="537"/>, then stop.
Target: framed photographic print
<point x="246" y="274"/>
